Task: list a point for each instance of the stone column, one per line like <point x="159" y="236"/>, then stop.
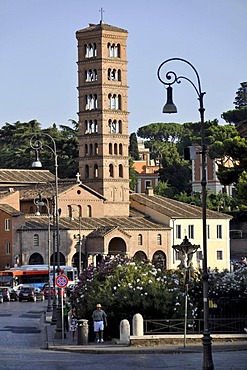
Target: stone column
<point x="137" y="324"/>
<point x="125" y="332"/>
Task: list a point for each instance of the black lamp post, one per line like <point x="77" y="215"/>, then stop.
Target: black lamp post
<point x="37" y="143"/>
<point x="172" y="78"/>
<point x="39" y="202"/>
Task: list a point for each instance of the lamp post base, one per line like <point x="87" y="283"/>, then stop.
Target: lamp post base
<point x="207" y="352"/>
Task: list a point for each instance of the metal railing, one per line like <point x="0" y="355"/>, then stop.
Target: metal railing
<point x="234" y="325"/>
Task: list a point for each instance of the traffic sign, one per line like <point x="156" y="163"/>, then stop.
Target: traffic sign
<point x="61" y="281"/>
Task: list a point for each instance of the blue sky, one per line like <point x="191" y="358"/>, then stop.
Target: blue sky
<point x="38" y="70"/>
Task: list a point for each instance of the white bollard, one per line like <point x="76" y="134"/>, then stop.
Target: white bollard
<point x="125" y="332"/>
<point x="137" y="324"/>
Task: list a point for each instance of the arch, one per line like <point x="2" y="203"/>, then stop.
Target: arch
<point x="86" y="171"/>
<point x="140" y="256"/>
<point x="91" y="149"/>
<point x="110" y="148"/>
<point x="75" y="261"/>
<point x="36" y="259"/>
<point x="96" y="149"/>
<point x="61" y="260"/>
<point x="86" y="149"/>
<point x="111" y="170"/>
<point x="159" y="259"/>
<point x="69" y="211"/>
<point x="117" y="246"/>
<point x="139" y="239"/>
<point x="89" y="211"/>
<point x="120" y="170"/>
<point x="120" y="149"/>
<point x="159" y="239"/>
<point x="36" y="240"/>
<point x="96" y="171"/>
<point x="115" y="148"/>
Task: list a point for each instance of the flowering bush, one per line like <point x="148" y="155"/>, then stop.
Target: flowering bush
<point x="125" y="287"/>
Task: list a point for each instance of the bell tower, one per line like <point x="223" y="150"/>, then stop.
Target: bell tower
<point x="103" y="114"/>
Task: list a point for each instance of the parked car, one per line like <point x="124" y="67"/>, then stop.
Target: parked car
<point x="30" y="293"/>
<point x="4" y="292"/>
<point x="46" y="291"/>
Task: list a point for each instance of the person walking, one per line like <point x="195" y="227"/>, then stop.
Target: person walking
<point x="99" y="321"/>
<point x="66" y="309"/>
<point x="72" y="322"/>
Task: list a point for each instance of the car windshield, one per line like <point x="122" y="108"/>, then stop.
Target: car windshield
<point x="25" y="289"/>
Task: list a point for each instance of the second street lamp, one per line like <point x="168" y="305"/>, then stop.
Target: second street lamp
<point x="37" y="143"/>
<point x="171" y="78"/>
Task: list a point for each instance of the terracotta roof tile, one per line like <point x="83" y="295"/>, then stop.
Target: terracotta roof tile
<point x="173" y="208"/>
<point x="25" y="176"/>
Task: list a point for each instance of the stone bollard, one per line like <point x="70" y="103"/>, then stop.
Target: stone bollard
<point x="137" y="324"/>
<point x="82" y="335"/>
<point x="125" y="332"/>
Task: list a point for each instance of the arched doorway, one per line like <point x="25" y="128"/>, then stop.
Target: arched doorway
<point x="140" y="256"/>
<point x="75" y="261"/>
<point x="62" y="259"/>
<point x="117" y="246"/>
<point x="36" y="259"/>
<point x="159" y="259"/>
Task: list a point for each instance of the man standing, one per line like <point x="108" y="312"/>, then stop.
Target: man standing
<point x="99" y="319"/>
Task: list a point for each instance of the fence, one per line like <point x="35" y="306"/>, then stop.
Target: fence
<point x="234" y="325"/>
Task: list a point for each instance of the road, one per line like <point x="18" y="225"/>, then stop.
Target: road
<point x="22" y="347"/>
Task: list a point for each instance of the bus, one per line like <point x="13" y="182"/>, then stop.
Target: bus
<point x="35" y="275"/>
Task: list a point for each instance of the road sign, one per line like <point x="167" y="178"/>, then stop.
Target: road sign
<point x="61" y="281"/>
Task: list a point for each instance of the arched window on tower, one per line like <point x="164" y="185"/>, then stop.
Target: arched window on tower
<point x="110" y="148"/>
<point x="115" y="148"/>
<point x="111" y="170"/>
<point x="91" y="149"/>
<point x="121" y="149"/>
<point x="86" y="171"/>
<point x="96" y="149"/>
<point x="96" y="171"/>
<point x="36" y="240"/>
<point x="120" y="170"/>
<point x="86" y="149"/>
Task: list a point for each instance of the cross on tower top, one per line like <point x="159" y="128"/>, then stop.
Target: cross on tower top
<point x="101" y="15"/>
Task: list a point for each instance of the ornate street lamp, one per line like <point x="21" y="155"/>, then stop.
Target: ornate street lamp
<point x="170" y="79"/>
<point x="37" y="143"/>
<point x="39" y="202"/>
<point x="185" y="252"/>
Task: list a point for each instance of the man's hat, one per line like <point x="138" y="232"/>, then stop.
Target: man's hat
<point x="98" y="305"/>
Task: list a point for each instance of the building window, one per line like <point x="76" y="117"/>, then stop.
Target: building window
<point x="219" y="255"/>
<point x="178" y="231"/>
<point x="113" y="50"/>
<point x="219" y="231"/>
<point x="7" y="224"/>
<point x="90" y="50"/>
<point x="7" y="248"/>
<point x="111" y="172"/>
<point x="191" y="231"/>
<point x="110" y="148"/>
<point x="139" y="239"/>
<point x="96" y="171"/>
<point x="120" y="149"/>
<point x="91" y="75"/>
<point x="147" y="184"/>
<point x="36" y="240"/>
<point x="120" y="170"/>
<point x="86" y="171"/>
<point x="89" y="211"/>
<point x="159" y="239"/>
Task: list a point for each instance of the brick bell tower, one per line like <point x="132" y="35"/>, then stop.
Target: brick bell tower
<point x="103" y="114"/>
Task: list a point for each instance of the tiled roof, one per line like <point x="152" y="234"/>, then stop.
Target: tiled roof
<point x="101" y="26"/>
<point x="88" y="223"/>
<point x="25" y="176"/>
<point x="173" y="208"/>
<point x="10" y="210"/>
<point x="47" y="191"/>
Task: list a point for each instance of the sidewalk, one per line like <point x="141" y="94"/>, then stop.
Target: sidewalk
<point x="114" y="348"/>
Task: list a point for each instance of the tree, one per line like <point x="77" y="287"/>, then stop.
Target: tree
<point x="133" y="147"/>
<point x="239" y="114"/>
<point x="132" y="175"/>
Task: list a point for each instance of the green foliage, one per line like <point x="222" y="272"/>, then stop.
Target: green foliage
<point x="125" y="287"/>
<point x="15" y="150"/>
<point x="133" y="147"/>
<point x="133" y="177"/>
<point x="241" y="96"/>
